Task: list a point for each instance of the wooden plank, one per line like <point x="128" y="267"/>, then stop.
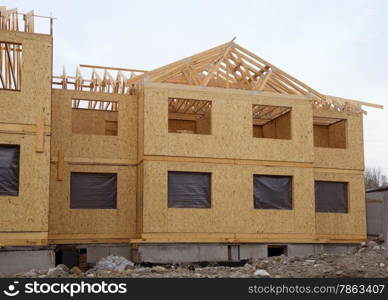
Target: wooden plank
<point x="97" y="161"/>
<point x="263" y="80"/>
<point x="39" y="139"/>
<point x="173" y="237"/>
<point x="214" y="67"/>
<point x="60" y="165"/>
<point x="21" y="128"/>
<point x="112" y="68"/>
<point x="226" y="161"/>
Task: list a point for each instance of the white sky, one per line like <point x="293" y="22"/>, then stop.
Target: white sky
<point x="338" y="47"/>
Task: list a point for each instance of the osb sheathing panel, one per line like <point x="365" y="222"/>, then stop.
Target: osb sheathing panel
<point x="85" y="121"/>
<point x="351" y="223"/>
<point x="63" y="220"/>
<point x="352" y="157"/>
<point x="29" y="210"/>
<point x="231" y="203"/>
<point x="24" y="106"/>
<point x="123" y="146"/>
<point x="231" y="122"/>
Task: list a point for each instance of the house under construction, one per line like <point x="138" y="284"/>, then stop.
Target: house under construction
<point x="218" y="156"/>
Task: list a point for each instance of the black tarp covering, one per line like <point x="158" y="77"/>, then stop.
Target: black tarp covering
<point x="189" y="190"/>
<point x="9" y="170"/>
<point x="272" y="192"/>
<point x="331" y="196"/>
<point x="93" y="190"/>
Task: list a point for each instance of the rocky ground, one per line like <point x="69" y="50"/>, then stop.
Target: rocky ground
<point x="366" y="261"/>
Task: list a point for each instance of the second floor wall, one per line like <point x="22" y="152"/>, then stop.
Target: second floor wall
<point x="249" y="126"/>
<point x="232" y="133"/>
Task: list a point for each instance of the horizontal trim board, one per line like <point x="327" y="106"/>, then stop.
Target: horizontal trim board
<point x="374" y="200"/>
<point x="229" y="161"/>
<point x="207" y="160"/>
<point x="22" y="129"/>
<point x="23" y="238"/>
<point x="97" y="161"/>
<point x="247" y="238"/>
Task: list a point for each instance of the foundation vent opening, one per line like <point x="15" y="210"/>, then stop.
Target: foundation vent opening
<point x="277" y="250"/>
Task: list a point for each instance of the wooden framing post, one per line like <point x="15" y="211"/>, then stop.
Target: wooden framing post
<point x="39" y="138"/>
<point x="60" y="165"/>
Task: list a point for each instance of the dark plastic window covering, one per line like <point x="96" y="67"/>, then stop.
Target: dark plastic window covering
<point x="9" y="170"/>
<point x="93" y="190"/>
<point x="189" y="190"/>
<point x="331" y="196"/>
<point x="272" y="192"/>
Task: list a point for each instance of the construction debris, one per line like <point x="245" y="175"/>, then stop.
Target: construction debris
<point x="366" y="261"/>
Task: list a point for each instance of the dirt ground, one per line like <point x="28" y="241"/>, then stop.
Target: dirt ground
<point x="368" y="260"/>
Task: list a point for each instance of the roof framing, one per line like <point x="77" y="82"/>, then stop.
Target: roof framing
<point x="226" y="66"/>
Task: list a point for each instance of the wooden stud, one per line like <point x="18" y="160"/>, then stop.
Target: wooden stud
<point x="60" y="165"/>
<point x="39" y="139"/>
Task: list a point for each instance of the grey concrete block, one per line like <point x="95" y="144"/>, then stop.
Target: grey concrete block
<point x="13" y="262"/>
<point x="124" y="251"/>
<point x="94" y="253"/>
<point x="173" y="253"/>
<point x="336" y="249"/>
<point x="300" y="249"/>
<point x="248" y="251"/>
<point x="214" y="252"/>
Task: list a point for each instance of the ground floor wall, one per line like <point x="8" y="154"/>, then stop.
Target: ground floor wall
<point x="73" y="225"/>
<point x="232" y="217"/>
<point x="24" y="217"/>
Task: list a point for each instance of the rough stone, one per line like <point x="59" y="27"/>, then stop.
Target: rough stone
<point x="75" y="270"/>
<point x="261" y="273"/>
<point x="63" y="267"/>
<point x="56" y="272"/>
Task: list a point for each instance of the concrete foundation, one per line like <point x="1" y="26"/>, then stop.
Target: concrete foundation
<point x="186" y="253"/>
<point x="248" y="251"/>
<point x="182" y="253"/>
<point x="94" y="252"/>
<point x="13" y="262"/>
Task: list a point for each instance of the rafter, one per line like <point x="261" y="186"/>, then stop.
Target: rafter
<point x="228" y="66"/>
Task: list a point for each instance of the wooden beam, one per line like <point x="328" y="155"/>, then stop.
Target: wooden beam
<point x="112" y="68"/>
<point x="180" y="116"/>
<point x="263" y="80"/>
<point x="39" y="138"/>
<point x="60" y="165"/>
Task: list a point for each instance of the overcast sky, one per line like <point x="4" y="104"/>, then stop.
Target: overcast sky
<point x="337" y="47"/>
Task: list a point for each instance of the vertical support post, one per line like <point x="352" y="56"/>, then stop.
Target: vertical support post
<point x="60" y="165"/>
<point x="39" y="137"/>
<point x="51" y="26"/>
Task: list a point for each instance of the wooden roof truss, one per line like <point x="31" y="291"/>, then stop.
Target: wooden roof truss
<point x="227" y="66"/>
<point x="102" y="82"/>
<point x="94" y="104"/>
<point x="188" y="108"/>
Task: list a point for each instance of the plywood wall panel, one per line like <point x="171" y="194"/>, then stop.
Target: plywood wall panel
<point x="231" y="121"/>
<point x="232" y="202"/>
<point x="24" y="219"/>
<point x="351" y="223"/>
<point x="75" y="145"/>
<point x="29" y="210"/>
<point x="22" y="107"/>
<point x="122" y="220"/>
<point x="352" y="157"/>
